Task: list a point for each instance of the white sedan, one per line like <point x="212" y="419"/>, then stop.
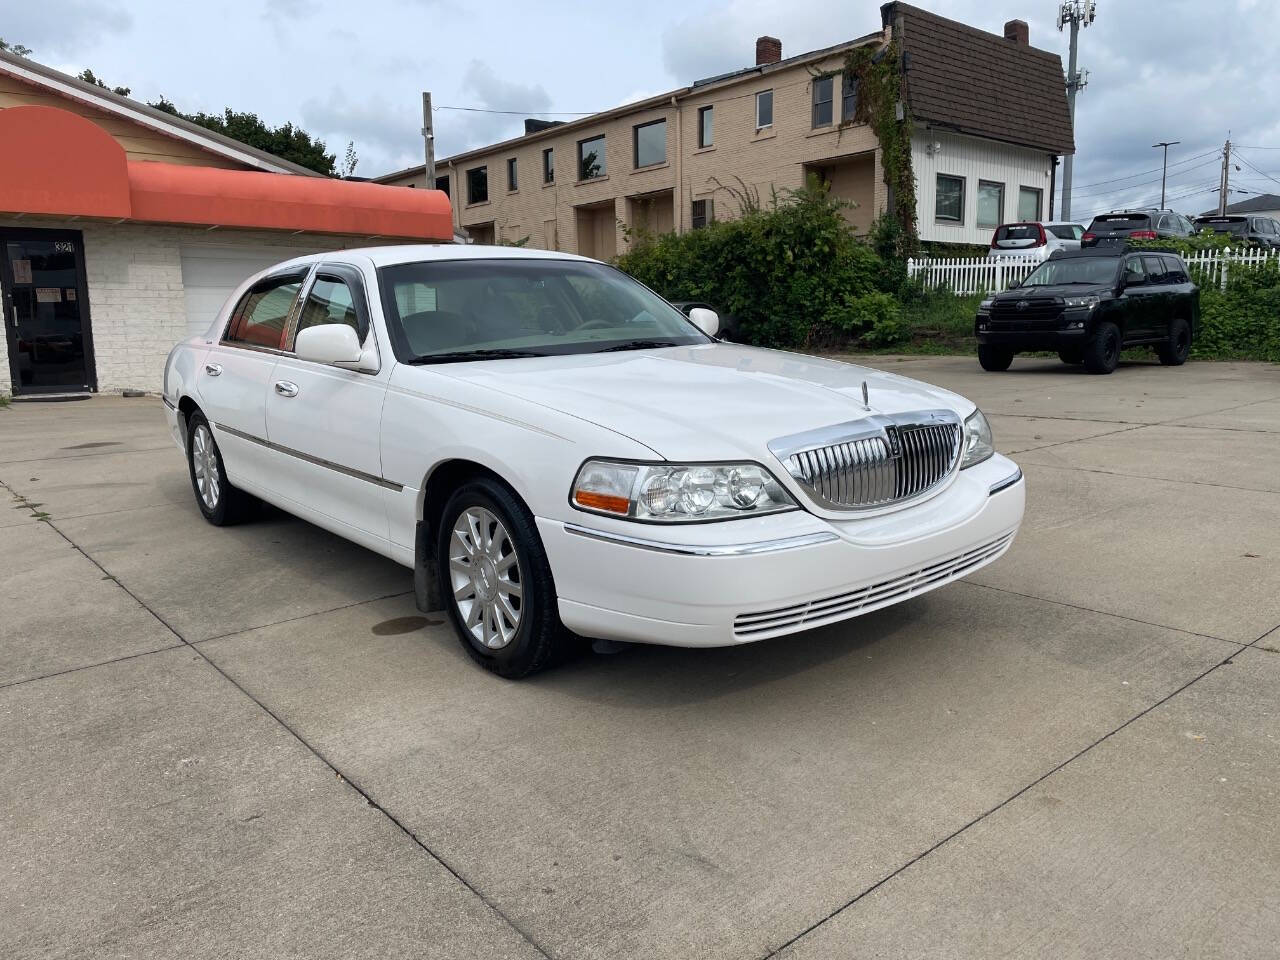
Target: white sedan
<point x="555" y="450"/>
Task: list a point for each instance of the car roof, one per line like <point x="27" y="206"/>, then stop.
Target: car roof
<point x="385" y="256"/>
<point x="1104" y="252"/>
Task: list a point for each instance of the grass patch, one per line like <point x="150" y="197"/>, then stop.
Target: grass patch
<point x="936" y="322"/>
<point x="5" y="400"/>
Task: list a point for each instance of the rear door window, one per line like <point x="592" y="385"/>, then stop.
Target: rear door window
<point x="262" y="315"/>
<point x="1175" y="272"/>
<point x="1156" y="269"/>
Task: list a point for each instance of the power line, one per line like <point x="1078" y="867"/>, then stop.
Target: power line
<point x="1142" y="183"/>
<point x="1211" y="153"/>
<point x="1246" y="162"/>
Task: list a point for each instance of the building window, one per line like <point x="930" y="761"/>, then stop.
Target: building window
<point x="478" y="185"/>
<point x="1029" y="203"/>
<point x="513" y="180"/>
<point x="591" y="158"/>
<point x="848" y="96"/>
<point x="823" y="91"/>
<point x="701" y="213"/>
<point x="649" y="144"/>
<point x="949" y="207"/>
<point x="990" y="203"/>
<point x="764" y="109"/>
<point x="705" y="134"/>
<point x="549" y="165"/>
<point x="442" y="184"/>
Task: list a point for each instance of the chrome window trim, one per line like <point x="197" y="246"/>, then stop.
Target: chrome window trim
<point x="327" y="464"/>
<point x="290" y="319"/>
<point x="705" y="550"/>
<point x="1006" y="483"/>
<point x="336" y="268"/>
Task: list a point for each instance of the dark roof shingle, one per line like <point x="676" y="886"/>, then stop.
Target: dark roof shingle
<point x="979" y="83"/>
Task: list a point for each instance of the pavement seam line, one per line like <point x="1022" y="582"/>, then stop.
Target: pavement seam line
<point x="89" y="666"/>
<point x="84" y="456"/>
<point x="1102" y="613"/>
<point x="1003" y="803"/>
<point x="524" y="935"/>
<point x="1142" y="476"/>
<point x="301" y="616"/>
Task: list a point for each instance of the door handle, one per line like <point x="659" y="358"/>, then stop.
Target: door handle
<point x="286" y="389"/>
<point x="213" y="369"/>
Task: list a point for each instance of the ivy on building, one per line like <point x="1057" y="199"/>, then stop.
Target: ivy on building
<point x="881" y="94"/>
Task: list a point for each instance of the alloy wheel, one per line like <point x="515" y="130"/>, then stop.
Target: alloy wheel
<point x="484" y="572"/>
<point x="204" y="463"/>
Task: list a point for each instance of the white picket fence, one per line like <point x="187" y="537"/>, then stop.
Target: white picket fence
<point x="969" y="275"/>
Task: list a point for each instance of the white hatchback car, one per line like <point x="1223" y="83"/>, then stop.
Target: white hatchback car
<point x="550" y="445"/>
<point x="1033" y="240"/>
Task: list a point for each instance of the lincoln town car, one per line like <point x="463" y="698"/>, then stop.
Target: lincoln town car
<point x="558" y="453"/>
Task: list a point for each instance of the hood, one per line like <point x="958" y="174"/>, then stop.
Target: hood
<point x="704" y="402"/>
<point x="1049" y="291"/>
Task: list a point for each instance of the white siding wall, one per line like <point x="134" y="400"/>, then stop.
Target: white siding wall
<point x="137" y="300"/>
<point x="973" y="159"/>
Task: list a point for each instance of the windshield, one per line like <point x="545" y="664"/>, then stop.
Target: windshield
<point x="1237" y="227"/>
<point x="451" y="308"/>
<point x="1098" y="271"/>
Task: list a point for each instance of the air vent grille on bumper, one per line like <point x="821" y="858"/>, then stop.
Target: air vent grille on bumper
<point x="865" y="599"/>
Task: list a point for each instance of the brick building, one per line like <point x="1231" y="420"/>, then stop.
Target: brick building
<point x="123" y="229"/>
<point x="989" y="120"/>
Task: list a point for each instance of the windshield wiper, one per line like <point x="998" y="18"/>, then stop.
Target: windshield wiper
<point x="461" y="356"/>
<point x="637" y="345"/>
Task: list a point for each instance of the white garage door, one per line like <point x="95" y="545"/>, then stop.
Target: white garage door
<point x="210" y="273"/>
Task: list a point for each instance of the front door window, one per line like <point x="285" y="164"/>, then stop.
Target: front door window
<point x="46" y="316"/>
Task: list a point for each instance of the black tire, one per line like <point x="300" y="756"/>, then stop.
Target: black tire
<point x="539" y="639"/>
<point x="230" y="504"/>
<point x="994" y="359"/>
<point x="1174" y="351"/>
<point x="1072" y="355"/>
<point x="1102" y="352"/>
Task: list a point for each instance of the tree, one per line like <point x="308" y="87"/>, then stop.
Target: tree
<point x="17" y="49"/>
<point x="350" y="160"/>
<point x="87" y="76"/>
<point x="285" y="141"/>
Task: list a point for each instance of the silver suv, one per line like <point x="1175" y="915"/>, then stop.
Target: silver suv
<point x="1120" y="226"/>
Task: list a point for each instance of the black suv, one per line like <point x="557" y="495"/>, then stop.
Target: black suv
<point x="1088" y="305"/>
<point x="1120" y="226"/>
<point x="1249" y="230"/>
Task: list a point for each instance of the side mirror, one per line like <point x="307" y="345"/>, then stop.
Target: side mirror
<point x="328" y="343"/>
<point x="708" y="321"/>
<point x="1013" y="283"/>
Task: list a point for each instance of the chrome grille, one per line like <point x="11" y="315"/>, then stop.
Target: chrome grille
<point x="877" y="461"/>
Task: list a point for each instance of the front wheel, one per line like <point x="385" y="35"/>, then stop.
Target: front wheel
<point x="1102" y="352"/>
<point x="496" y="581"/>
<point x="1174" y="351"/>
<point x="994" y="359"/>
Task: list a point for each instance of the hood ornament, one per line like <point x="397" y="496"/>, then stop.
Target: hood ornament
<point x="865" y="403"/>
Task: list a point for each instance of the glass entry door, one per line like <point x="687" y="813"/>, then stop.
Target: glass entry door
<point x="46" y="311"/>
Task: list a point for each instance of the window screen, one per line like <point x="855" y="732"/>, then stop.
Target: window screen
<point x="990" y="203"/>
<point x="764" y="109"/>
<point x="950" y="201"/>
<point x="823" y="90"/>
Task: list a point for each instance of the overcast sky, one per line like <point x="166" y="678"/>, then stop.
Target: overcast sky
<point x="1189" y="70"/>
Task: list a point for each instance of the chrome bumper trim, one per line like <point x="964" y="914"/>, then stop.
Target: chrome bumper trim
<point x="702" y="550"/>
<point x="1007" y="482"/>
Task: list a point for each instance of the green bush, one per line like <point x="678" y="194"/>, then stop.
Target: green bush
<point x="1243" y="321"/>
<point x="792" y="271"/>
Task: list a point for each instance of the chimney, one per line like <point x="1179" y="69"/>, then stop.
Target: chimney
<point x="1016" y="30"/>
<point x="768" y="50"/>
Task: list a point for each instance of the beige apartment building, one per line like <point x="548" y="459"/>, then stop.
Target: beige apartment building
<point x="682" y="159"/>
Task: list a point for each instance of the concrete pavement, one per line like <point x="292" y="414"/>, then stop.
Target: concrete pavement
<point x="247" y="742"/>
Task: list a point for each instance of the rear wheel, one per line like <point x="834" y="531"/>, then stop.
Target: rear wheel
<point x="1071" y="355"/>
<point x="1102" y="352"/>
<point x="496" y="581"/>
<point x="1173" y="352"/>
<point x="220" y="502"/>
<point x="994" y="359"/>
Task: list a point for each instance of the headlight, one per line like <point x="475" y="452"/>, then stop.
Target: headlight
<point x="677" y="493"/>
<point x="1087" y="302"/>
<point x="985" y="305"/>
<point x="978" y="444"/>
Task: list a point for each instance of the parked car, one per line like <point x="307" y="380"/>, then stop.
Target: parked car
<point x="553" y="448"/>
<point x="1122" y="226"/>
<point x="1251" y="231"/>
<point x="1030" y="239"/>
<point x="1089" y="305"/>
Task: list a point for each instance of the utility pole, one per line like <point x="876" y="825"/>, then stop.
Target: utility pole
<point x="428" y="135"/>
<point x="1225" y="184"/>
<point x="1164" y="167"/>
<point x="1078" y="13"/>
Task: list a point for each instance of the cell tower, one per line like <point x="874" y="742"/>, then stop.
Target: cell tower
<point x="1077" y="13"/>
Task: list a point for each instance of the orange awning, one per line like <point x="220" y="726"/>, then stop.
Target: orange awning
<point x="58" y="163"/>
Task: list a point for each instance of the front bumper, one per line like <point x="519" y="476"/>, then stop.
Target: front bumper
<point x="720" y="584"/>
<point x="1069" y="330"/>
